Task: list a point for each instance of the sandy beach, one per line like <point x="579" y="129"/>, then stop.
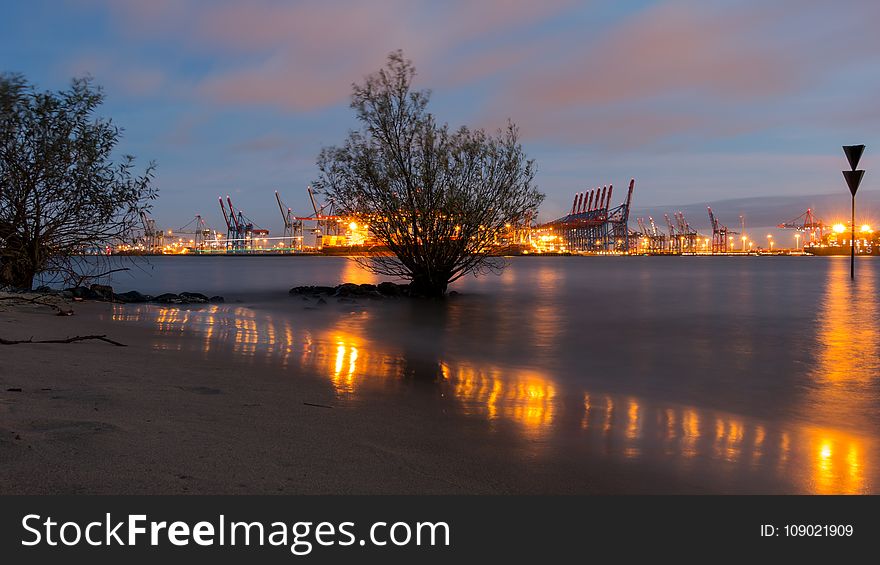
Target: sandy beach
<point x="91" y="417"/>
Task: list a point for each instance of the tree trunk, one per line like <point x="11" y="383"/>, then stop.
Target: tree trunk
<point x="16" y="274"/>
<point x="429" y="286"/>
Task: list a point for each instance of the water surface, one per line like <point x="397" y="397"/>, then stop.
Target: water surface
<point x="731" y="374"/>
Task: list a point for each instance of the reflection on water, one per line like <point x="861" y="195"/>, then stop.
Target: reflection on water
<point x="532" y="403"/>
<point x="838" y="463"/>
<point x="524" y="397"/>
<point x="353" y="273"/>
<point x="848" y="348"/>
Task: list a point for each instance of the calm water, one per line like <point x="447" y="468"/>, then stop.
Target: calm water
<point x="756" y="374"/>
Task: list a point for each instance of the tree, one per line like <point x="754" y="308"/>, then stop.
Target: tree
<point x="436" y="198"/>
<point x="61" y="193"/>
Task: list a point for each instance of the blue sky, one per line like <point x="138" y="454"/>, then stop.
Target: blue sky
<point x="699" y="101"/>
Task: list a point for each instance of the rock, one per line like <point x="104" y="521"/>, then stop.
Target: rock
<point x="168" y="298"/>
<point x="312" y="290"/>
<point x="347" y="289"/>
<point x="352" y="290"/>
<point x="77" y="292"/>
<point x="389" y="289"/>
<point x="216" y="300"/>
<point x="131" y="297"/>
<point x="101" y="292"/>
<point x="43" y="289"/>
<point x="193" y="297"/>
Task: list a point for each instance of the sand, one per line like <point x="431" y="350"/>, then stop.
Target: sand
<point x="91" y="417"/>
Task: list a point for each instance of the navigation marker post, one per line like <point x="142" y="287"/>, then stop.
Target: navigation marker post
<point x="853" y="180"/>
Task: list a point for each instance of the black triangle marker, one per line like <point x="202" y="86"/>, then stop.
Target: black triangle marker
<point x="853" y="154"/>
<point x="853" y="180"/>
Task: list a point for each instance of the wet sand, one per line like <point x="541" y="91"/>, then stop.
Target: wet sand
<point x="95" y="418"/>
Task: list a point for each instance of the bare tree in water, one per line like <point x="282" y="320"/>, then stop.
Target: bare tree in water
<point x="437" y="198"/>
<point x="61" y="193"/>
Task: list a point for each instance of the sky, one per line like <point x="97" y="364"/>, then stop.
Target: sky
<point x="700" y="101"/>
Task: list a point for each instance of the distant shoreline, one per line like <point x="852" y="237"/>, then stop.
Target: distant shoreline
<point x="780" y="253"/>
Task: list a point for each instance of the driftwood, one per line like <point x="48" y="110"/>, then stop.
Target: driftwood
<point x="67" y="340"/>
<point x="317" y="405"/>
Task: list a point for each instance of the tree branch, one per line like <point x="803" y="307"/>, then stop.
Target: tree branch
<point x="67" y="340"/>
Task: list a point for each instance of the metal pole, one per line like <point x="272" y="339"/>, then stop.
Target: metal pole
<point x="853" y="179"/>
<point x="852" y="242"/>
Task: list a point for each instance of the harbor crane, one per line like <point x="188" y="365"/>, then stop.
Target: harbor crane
<point x="675" y="242"/>
<point x="808" y="224"/>
<point x="687" y="234"/>
<point x="199" y="229"/>
<point x="233" y="234"/>
<point x="293" y="226"/>
<point x="153" y="238"/>
<point x="240" y="230"/>
<point x="656" y="239"/>
<point x="594" y="225"/>
<point x="720" y="233"/>
<point x="327" y="221"/>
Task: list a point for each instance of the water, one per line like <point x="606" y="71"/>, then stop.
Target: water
<point x="757" y="374"/>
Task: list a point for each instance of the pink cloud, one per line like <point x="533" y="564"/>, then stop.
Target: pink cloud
<point x="670" y="48"/>
<point x="675" y="68"/>
<point x="620" y="130"/>
<point x="305" y="55"/>
<point x="671" y="69"/>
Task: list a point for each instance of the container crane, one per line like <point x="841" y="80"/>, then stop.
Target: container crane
<point x="153" y="238"/>
<point x="327" y="221"/>
<point x="240" y="230"/>
<point x="233" y="236"/>
<point x="720" y="233"/>
<point x="292" y="225"/>
<point x="685" y="231"/>
<point x="674" y="241"/>
<point x="200" y="231"/>
<point x="807" y="223"/>
<point x="656" y="239"/>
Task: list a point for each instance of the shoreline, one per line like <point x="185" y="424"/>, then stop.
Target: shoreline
<point x="181" y="410"/>
<point x="765" y="253"/>
<point x="97" y="419"/>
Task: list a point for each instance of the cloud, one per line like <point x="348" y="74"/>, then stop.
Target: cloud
<point x="116" y="74"/>
<point x="704" y="70"/>
<point x="671" y="48"/>
<point x="703" y="67"/>
<point x="269" y="143"/>
<point x="674" y="93"/>
<point x="304" y="55"/>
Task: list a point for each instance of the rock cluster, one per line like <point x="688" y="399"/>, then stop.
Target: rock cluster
<point x="104" y="293"/>
<point x="351" y="290"/>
